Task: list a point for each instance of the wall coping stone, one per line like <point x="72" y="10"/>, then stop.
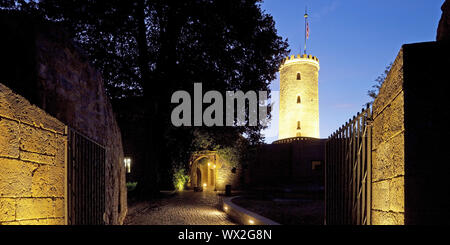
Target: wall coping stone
<point x="243" y="215"/>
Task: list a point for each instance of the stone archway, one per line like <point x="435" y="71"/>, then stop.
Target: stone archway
<point x="203" y="170"/>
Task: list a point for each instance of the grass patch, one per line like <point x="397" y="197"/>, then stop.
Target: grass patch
<point x="131" y="186"/>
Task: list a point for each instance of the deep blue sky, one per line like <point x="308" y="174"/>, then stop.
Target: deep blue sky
<point x="354" y="41"/>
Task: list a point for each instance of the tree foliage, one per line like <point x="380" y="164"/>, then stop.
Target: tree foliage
<point x="152" y="48"/>
<point x="373" y="93"/>
<point x="231" y="149"/>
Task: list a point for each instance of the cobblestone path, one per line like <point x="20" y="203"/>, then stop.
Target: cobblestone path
<point x="184" y="208"/>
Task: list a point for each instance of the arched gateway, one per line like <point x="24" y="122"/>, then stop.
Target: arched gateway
<point x="203" y="170"/>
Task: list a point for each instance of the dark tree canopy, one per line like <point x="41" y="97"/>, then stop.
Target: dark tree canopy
<point x="150" y="49"/>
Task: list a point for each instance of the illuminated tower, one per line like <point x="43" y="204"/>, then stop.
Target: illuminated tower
<point x="299" y="94"/>
<point x="299" y="97"/>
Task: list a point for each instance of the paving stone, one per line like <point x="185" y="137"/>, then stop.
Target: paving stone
<point x="185" y="208"/>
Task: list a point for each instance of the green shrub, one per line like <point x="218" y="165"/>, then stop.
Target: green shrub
<point x="180" y="178"/>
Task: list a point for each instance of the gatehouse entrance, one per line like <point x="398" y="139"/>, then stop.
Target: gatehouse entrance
<point x="203" y="170"/>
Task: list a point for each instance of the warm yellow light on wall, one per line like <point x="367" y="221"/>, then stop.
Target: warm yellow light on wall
<point x="204" y="185"/>
<point x="226" y="208"/>
<point x="209" y="164"/>
<point x="251" y="221"/>
<point x="127" y="162"/>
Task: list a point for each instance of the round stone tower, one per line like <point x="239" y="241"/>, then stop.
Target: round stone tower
<point x="299" y="97"/>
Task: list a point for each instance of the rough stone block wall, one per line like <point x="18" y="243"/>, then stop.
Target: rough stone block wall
<point x="73" y="91"/>
<point x="32" y="163"/>
<point x="61" y="81"/>
<point x="426" y="76"/>
<point x="225" y="176"/>
<point x="409" y="158"/>
<point x="388" y="150"/>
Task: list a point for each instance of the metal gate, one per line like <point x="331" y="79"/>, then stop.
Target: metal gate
<point x="85" y="180"/>
<point x="348" y="172"/>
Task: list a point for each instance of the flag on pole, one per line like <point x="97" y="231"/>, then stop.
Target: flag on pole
<point x="307" y="30"/>
<point x="306" y="27"/>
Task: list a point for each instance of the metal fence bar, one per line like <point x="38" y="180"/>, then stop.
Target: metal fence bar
<point x="352" y="164"/>
<point x="363" y="169"/>
<point x="358" y="171"/>
<point x="369" y="166"/>
<point x="348" y="172"/>
<point x="86" y="177"/>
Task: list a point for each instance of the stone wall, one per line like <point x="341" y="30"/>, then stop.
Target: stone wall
<point x="224" y="172"/>
<point x="62" y="82"/>
<point x="32" y="163"/>
<point x="288" y="163"/>
<point x="426" y="76"/>
<point x="410" y="164"/>
<point x="388" y="153"/>
<point x="73" y="91"/>
<point x="226" y="175"/>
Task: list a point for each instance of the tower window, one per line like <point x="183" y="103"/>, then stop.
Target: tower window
<point x="298" y="99"/>
<point x="299" y="77"/>
<point x="298" y="125"/>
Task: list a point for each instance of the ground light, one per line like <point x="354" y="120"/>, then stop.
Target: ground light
<point x="251" y="221"/>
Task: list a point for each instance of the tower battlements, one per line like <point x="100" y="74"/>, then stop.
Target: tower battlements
<point x="299" y="97"/>
<point x="296" y="59"/>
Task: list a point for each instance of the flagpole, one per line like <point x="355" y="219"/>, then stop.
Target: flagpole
<point x="306" y="20"/>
